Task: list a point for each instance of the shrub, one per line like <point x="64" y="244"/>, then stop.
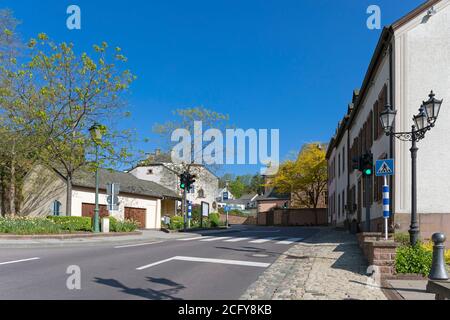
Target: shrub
<point x="214" y="220"/>
<point x="176" y="223"/>
<point x="428" y="246"/>
<point x="72" y="224"/>
<point x="415" y="259"/>
<point x="402" y="238"/>
<point x="122" y="226"/>
<point x="26" y="225"/>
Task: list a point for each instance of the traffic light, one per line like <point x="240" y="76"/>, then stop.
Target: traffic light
<point x="183" y="180"/>
<point x="190" y="181"/>
<point x="367" y="164"/>
<point x="186" y="180"/>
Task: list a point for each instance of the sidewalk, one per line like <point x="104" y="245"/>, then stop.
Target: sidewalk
<point x="328" y="266"/>
<point x="399" y="289"/>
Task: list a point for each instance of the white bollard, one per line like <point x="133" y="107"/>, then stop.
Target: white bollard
<point x="105" y="225"/>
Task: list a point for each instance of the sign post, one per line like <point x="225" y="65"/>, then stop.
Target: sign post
<point x="189" y="212"/>
<point x="385" y="168"/>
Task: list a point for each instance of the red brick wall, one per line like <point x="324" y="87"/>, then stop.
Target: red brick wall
<point x="294" y="217"/>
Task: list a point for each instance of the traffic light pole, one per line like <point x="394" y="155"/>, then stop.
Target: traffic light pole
<point x="367" y="195"/>
<point x="184" y="209"/>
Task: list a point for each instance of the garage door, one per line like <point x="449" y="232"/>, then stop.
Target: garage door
<point x="87" y="210"/>
<point x="136" y="214"/>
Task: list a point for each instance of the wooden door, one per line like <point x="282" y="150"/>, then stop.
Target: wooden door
<point x="136" y="214"/>
<point x="87" y="210"/>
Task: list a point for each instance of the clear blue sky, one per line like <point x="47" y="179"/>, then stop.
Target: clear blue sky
<point x="286" y="64"/>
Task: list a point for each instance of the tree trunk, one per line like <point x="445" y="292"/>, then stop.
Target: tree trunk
<point x="12" y="183"/>
<point x="69" y="196"/>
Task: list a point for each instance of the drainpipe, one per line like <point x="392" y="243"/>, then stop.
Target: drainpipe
<point x="391" y="138"/>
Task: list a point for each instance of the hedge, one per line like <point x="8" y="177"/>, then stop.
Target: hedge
<point x="26" y="226"/>
<point x="72" y="224"/>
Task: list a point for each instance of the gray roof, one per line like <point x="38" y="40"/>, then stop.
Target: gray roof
<point x="247" y="197"/>
<point x="272" y="194"/>
<point x="128" y="183"/>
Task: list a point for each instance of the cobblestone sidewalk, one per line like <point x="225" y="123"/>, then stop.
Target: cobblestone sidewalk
<point x="328" y="266"/>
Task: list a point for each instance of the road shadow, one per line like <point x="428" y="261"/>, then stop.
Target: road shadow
<point x="165" y="294"/>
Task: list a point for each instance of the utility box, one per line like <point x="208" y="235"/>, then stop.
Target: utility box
<point x="105" y="225"/>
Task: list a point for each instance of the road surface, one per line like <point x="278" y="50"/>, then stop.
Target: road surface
<point x="218" y="265"/>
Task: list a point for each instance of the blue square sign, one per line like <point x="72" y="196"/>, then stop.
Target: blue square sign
<point x="384" y="168"/>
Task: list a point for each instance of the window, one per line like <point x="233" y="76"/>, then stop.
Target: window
<point x="343" y="203"/>
<point x="339" y="206"/>
<point x="56" y="208"/>
<point x="339" y="165"/>
<point x="201" y="193"/>
<point x="343" y="160"/>
<point x="149" y="171"/>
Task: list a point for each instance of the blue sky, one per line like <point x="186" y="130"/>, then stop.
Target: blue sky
<point x="282" y="64"/>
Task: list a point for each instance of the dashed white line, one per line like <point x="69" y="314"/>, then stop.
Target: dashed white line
<point x="290" y="241"/>
<point x="264" y="240"/>
<point x="236" y="239"/>
<point x="196" y="238"/>
<point x="216" y="239"/>
<point x="17" y="261"/>
<point x="137" y="245"/>
<point x="208" y="260"/>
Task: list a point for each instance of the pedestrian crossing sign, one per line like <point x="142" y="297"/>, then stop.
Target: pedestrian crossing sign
<point x="384" y="167"/>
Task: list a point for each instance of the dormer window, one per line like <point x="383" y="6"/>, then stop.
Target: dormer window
<point x="149" y="171"/>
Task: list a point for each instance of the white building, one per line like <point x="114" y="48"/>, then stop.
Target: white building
<point x="167" y="174"/>
<point x="411" y="59"/>
<point x="45" y="194"/>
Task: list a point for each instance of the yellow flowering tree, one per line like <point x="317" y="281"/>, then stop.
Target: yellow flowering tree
<point x="305" y="178"/>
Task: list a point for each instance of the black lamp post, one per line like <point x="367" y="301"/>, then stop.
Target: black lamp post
<point x="423" y="122"/>
<point x="96" y="135"/>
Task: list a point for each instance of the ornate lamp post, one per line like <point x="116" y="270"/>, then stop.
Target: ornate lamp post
<point x="423" y="122"/>
<point x="96" y="136"/>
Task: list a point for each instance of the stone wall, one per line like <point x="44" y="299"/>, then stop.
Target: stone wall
<point x="237" y="219"/>
<point x="379" y="252"/>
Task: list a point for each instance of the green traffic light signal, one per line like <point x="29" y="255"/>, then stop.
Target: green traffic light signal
<point x="368" y="172"/>
<point x="182" y="186"/>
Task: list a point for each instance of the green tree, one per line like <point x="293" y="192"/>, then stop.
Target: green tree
<point x="237" y="187"/>
<point x="62" y="95"/>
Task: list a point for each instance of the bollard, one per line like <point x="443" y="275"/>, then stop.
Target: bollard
<point x="438" y="271"/>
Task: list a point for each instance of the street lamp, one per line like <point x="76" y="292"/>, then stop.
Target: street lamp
<point x="423" y="122"/>
<point x="96" y="135"/>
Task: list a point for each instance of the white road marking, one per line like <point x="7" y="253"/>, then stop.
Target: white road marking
<point x="216" y="239"/>
<point x="196" y="238"/>
<point x="264" y="240"/>
<point x="17" y="261"/>
<point x="236" y="239"/>
<point x="290" y="241"/>
<point x="155" y="264"/>
<point x="208" y="260"/>
<point x="137" y="245"/>
<point x="265" y="231"/>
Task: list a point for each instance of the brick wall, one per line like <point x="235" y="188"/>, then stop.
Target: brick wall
<point x="238" y="220"/>
<point x="293" y="217"/>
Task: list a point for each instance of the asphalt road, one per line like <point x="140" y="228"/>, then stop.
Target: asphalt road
<point x="216" y="266"/>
